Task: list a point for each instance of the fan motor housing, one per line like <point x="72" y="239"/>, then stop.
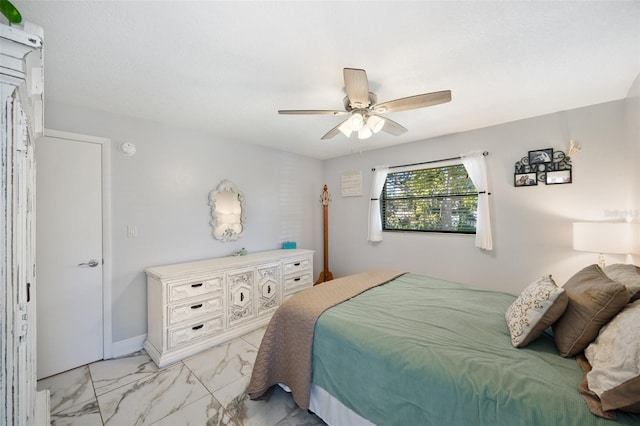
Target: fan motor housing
<point x="347" y="103"/>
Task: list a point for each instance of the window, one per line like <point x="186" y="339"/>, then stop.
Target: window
<point x="438" y="199"/>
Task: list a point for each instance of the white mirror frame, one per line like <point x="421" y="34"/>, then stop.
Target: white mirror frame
<point x="223" y="231"/>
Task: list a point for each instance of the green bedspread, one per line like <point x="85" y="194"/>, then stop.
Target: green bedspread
<point x="421" y="351"/>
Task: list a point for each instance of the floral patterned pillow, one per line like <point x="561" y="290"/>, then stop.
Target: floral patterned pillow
<point x="615" y="360"/>
<point x="539" y="306"/>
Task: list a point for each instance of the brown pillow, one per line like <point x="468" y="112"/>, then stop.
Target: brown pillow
<point x="627" y="275"/>
<point x="593" y="300"/>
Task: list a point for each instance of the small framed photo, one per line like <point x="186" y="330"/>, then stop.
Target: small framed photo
<point x="525" y="179"/>
<point x="541" y="156"/>
<point x="558" y="177"/>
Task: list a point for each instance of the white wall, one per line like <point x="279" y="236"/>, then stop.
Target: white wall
<point x="632" y="127"/>
<point x="164" y="189"/>
<point x="532" y="226"/>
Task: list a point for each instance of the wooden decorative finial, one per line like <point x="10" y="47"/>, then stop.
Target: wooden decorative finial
<point x="325" y="198"/>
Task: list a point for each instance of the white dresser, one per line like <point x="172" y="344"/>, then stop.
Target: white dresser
<point x="194" y="306"/>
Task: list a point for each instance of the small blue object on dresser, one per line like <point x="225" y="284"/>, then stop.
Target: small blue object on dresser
<point x="289" y="245"/>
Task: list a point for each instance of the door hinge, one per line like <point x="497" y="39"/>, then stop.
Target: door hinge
<point x="21" y="321"/>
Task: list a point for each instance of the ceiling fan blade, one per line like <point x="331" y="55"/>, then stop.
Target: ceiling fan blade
<point x="331" y="133"/>
<point x="393" y="128"/>
<point x="413" y="102"/>
<point x="312" y="111"/>
<point x="357" y="87"/>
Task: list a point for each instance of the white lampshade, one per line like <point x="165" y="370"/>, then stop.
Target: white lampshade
<point x="607" y="237"/>
<point x="364" y="132"/>
<point x="345" y="128"/>
<point x="376" y="123"/>
<point x="356" y="121"/>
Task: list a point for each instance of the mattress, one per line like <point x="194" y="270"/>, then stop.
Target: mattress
<point x="419" y="350"/>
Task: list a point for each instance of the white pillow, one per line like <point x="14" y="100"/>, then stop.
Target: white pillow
<point x="539" y="306"/>
<point x="615" y="360"/>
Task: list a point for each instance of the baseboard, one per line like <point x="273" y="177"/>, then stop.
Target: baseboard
<point x="41" y="417"/>
<point x="128" y="346"/>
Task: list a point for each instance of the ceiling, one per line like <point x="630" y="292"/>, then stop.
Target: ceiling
<point x="225" y="68"/>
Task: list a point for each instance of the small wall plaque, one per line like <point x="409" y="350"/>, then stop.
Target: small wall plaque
<point x="351" y="184"/>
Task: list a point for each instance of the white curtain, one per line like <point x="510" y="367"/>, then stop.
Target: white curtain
<point x="375" y="220"/>
<point x="476" y="167"/>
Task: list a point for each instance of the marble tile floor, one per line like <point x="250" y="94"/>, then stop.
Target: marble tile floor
<point x="205" y="390"/>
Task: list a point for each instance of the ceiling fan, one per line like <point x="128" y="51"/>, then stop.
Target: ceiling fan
<point x="364" y="111"/>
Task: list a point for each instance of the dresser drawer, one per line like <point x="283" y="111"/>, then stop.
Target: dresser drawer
<point x="194" y="310"/>
<point x="295" y="266"/>
<point x="182" y="335"/>
<point x="300" y="281"/>
<point x="180" y="291"/>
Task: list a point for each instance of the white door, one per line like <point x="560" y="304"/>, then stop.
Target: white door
<point x="68" y="254"/>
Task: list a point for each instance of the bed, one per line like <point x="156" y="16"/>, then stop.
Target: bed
<point x="407" y="349"/>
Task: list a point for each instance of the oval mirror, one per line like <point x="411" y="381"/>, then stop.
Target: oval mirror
<point x="227" y="211"/>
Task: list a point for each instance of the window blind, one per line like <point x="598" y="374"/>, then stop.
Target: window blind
<point x="437" y="199"/>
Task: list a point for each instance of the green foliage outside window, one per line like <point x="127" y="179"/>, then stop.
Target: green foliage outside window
<point x="439" y="199"/>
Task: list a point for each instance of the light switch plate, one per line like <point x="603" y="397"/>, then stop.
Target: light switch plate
<point x="132" y="231"/>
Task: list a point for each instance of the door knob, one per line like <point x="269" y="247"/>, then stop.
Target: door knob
<point x="92" y="263"/>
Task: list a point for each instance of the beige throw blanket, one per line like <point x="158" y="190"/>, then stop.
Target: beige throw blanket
<point x="285" y="352"/>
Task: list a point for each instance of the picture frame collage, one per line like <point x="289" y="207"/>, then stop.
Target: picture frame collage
<point x="543" y="166"/>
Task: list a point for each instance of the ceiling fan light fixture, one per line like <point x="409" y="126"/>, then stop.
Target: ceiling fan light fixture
<point x="375" y="123"/>
<point x="345" y="128"/>
<point x="362" y="108"/>
<point x="364" y="132"/>
<point x="356" y="121"/>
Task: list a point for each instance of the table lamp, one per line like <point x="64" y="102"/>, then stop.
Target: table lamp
<point x="606" y="237"/>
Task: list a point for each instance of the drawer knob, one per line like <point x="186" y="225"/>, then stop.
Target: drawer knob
<point x="197" y="327"/>
<point x="296" y="264"/>
<point x="199" y="305"/>
<point x="196" y="285"/>
<point x="297" y="279"/>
